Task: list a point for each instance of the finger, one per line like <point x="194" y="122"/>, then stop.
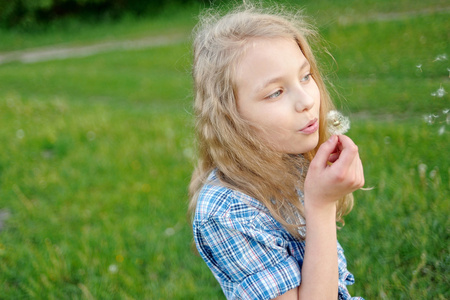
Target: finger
<point x="333" y="157"/>
<point x="358" y="167"/>
<point x="358" y="172"/>
<point x="361" y="172"/>
<point x="324" y="152"/>
<point x="348" y="153"/>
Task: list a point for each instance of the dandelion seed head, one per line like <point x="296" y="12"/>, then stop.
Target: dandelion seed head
<point x="169" y="231"/>
<point x="90" y="135"/>
<point x="422" y="170"/>
<point x="188" y="153"/>
<point x="113" y="268"/>
<point x="47" y="154"/>
<point x="433" y="173"/>
<point x="337" y="123"/>
<point x="20" y="134"/>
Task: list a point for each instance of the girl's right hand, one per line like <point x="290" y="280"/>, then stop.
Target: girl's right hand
<point x="335" y="171"/>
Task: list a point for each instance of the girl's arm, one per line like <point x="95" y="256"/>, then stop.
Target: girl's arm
<point x="326" y="183"/>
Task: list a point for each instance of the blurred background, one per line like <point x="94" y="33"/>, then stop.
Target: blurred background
<point x="98" y="146"/>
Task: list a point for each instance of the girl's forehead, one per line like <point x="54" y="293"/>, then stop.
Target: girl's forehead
<point x="268" y="49"/>
<point x="253" y="46"/>
<point x="267" y="60"/>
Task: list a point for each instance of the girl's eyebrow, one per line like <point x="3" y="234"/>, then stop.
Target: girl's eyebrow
<point x="278" y="78"/>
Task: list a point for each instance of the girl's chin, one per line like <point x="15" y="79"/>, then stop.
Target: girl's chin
<point x="301" y="150"/>
<point x="300" y="146"/>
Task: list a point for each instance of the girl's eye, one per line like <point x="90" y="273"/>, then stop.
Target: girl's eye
<point x="306" y="78"/>
<point x="274" y="95"/>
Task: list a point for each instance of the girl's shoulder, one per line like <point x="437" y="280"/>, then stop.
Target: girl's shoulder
<point x="219" y="202"/>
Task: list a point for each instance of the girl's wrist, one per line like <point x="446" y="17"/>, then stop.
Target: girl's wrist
<point x="321" y="211"/>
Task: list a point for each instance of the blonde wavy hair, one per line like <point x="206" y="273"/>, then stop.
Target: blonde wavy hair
<point x="227" y="142"/>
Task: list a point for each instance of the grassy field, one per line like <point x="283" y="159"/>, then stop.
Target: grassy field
<point x="97" y="154"/>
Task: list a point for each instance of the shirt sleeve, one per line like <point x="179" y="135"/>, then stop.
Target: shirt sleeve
<point x="345" y="277"/>
<point x="249" y="261"/>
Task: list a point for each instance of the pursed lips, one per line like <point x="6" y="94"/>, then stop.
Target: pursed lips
<point x="310" y="127"/>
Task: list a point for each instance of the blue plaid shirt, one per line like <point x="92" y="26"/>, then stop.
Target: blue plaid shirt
<point x="248" y="251"/>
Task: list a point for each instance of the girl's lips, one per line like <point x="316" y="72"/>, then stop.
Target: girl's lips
<point x="311" y="127"/>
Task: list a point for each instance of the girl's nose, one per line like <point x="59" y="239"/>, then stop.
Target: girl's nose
<point x="303" y="100"/>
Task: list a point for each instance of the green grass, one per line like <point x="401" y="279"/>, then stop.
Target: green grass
<point x="97" y="154"/>
<point x="397" y="235"/>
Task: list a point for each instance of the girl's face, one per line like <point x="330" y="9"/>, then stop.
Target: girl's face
<point x="277" y="94"/>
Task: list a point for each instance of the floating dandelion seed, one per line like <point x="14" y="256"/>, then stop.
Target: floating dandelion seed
<point x="441" y="130"/>
<point x="448" y="69"/>
<point x="430" y="118"/>
<point x="439" y="93"/>
<point x="445" y="111"/>
<point x="441" y="57"/>
<point x="337" y="122"/>
<point x="419" y="66"/>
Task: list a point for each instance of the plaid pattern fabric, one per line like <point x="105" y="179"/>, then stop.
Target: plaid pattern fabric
<point x="248" y="251"/>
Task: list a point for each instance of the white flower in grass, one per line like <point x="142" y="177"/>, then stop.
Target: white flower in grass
<point x="337" y="122"/>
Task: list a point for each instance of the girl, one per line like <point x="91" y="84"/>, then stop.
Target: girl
<point x="270" y="183"/>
